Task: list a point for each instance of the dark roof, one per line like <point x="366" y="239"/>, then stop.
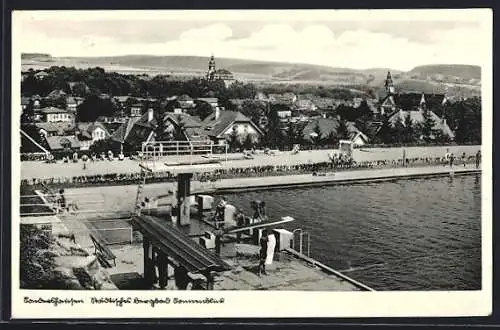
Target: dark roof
<point x="135" y="129"/>
<point x="208" y="99"/>
<point x="418" y="117"/>
<point x="216" y="127"/>
<point x="56" y="142"/>
<point x="57" y="93"/>
<point x="60" y="128"/>
<point x="180" y="247"/>
<point x="186" y="119"/>
<point x="327" y="126"/>
<point x="86" y="129"/>
<point x="184" y="98"/>
<point x="412" y="101"/>
<point x="52" y="110"/>
<point x="121" y="98"/>
<point x="193" y="127"/>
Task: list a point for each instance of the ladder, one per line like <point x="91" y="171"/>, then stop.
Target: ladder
<point x="300" y="247"/>
<point x="140" y="189"/>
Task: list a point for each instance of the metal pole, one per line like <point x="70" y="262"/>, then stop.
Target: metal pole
<point x="301" y="234"/>
<point x="308" y="244"/>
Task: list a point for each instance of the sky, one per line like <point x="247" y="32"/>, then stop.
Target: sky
<point x="359" y="40"/>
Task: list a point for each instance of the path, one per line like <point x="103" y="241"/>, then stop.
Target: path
<point x="37" y="169"/>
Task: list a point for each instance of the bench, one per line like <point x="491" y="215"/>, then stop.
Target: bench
<point x="102" y="251"/>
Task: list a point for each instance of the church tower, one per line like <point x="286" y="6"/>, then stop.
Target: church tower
<point x="211" y="69"/>
<point x="389" y="86"/>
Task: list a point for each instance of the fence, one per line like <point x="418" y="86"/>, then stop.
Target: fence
<point x="157" y="149"/>
<point x="254" y="171"/>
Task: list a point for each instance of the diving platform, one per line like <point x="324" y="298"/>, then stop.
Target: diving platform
<point x="179" y="168"/>
<point x="164" y="245"/>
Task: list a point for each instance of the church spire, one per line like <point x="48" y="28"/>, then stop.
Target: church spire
<point x="389" y="86"/>
<point x="211" y="68"/>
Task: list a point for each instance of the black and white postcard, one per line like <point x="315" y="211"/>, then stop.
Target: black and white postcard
<point x="316" y="163"/>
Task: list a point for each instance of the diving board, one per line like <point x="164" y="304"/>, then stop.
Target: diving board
<point x="180" y="168"/>
<point x="262" y="224"/>
<point x="179" y="246"/>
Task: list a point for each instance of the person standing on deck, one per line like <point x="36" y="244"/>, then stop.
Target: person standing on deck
<point x="452" y="158"/>
<point x="263" y="253"/>
<point x="464" y="158"/>
<point x="478" y="158"/>
<point x="62" y="200"/>
<point x="447" y="157"/>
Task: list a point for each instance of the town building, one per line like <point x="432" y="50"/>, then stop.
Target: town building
<point x="56" y="94"/>
<point x="183" y="127"/>
<point x="136" y="110"/>
<point x="323" y="129"/>
<point x="54" y="115"/>
<point x="89" y="133"/>
<point x="213" y="101"/>
<point x="220" y="126"/>
<point x="41" y="75"/>
<point x="186" y="101"/>
<point x="25" y="101"/>
<point x="135" y="131"/>
<point x="55" y="129"/>
<point x="63" y="143"/>
<point x="214" y="74"/>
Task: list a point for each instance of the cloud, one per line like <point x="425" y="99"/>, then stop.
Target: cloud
<point x="214" y="32"/>
<point x="312" y="42"/>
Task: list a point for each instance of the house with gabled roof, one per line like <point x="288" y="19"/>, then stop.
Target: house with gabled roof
<point x="221" y="124"/>
<point x="136" y="130"/>
<point x="418" y="117"/>
<point x="53" y="115"/>
<point x="185" y="101"/>
<point x="184" y="127"/>
<point x="25" y="101"/>
<point x="59" y="143"/>
<point x="321" y="128"/>
<point x="41" y="75"/>
<point x="56" y="94"/>
<point x="213" y="101"/>
<point x="89" y="133"/>
<point x="55" y="129"/>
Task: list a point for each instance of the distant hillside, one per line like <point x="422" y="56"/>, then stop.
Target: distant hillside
<point x="30" y="56"/>
<point x="427" y="78"/>
<point x="455" y="70"/>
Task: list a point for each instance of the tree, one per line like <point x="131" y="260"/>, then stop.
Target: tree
<point x="234" y="141"/>
<point x="342" y="130"/>
<point x="363" y="111"/>
<point x="37" y="262"/>
<point x="253" y="110"/>
<point x="398" y="131"/>
<point x="80" y="89"/>
<point x="248" y="142"/>
<point x="104" y="146"/>
<point x="273" y="134"/>
<point x="202" y="109"/>
<point x="93" y="107"/>
<point x="316" y="137"/>
<point x="428" y="126"/>
<point x="180" y="131"/>
<point x="28" y="114"/>
<point x="172" y="105"/>
<point x="409" y="133"/>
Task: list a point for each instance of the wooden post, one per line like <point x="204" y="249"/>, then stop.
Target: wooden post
<point x="183" y="192"/>
<point x="163" y="269"/>
<point x="148" y="264"/>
